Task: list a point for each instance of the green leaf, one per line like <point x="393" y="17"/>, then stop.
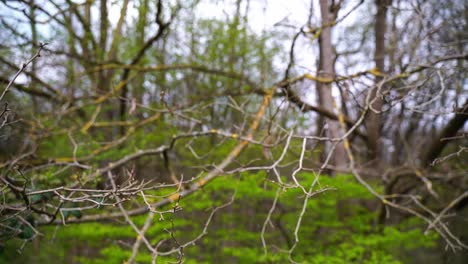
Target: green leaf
<point x="26" y="232"/>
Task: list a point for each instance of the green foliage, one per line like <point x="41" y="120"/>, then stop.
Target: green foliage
<point x="16" y="228"/>
<point x="336" y="228"/>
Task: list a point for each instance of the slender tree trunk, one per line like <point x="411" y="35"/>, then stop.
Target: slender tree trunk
<point x="374" y="120"/>
<point x="32" y="15"/>
<point x="103" y="26"/>
<point x="326" y="70"/>
<point x="138" y="83"/>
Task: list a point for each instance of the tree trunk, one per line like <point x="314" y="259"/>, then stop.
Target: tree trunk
<point x="438" y="144"/>
<point x="32" y="21"/>
<point x="326" y="70"/>
<point x="374" y="120"/>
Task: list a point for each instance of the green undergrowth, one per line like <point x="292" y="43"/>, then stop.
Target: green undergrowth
<point x="338" y="226"/>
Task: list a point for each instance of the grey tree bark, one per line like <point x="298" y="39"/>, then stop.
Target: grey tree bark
<point x="374" y="119"/>
<point x="326" y="70"/>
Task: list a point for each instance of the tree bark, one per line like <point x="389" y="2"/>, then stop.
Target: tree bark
<point x="326" y="70"/>
<point x="438" y="144"/>
<point x="374" y="120"/>
<point x="33" y="25"/>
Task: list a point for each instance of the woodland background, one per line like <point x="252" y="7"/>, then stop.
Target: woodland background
<point x="244" y="131"/>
